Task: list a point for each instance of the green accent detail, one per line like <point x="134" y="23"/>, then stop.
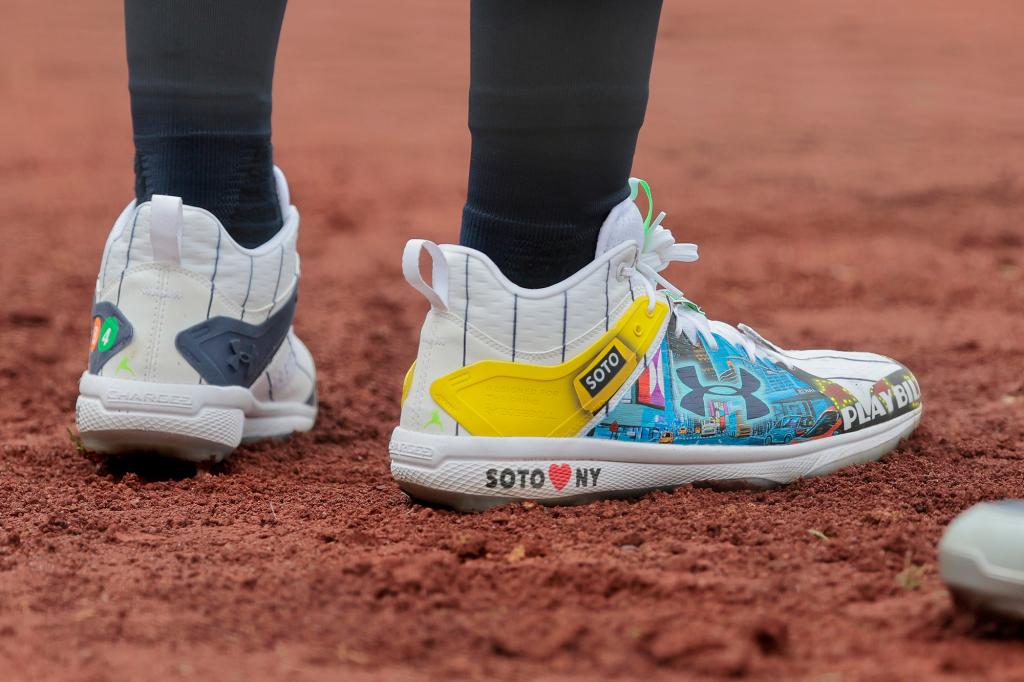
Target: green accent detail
<point x="635" y="184"/>
<point x="123" y="365"/>
<point x="108" y="334"/>
<point x="435" y="418"/>
<point x="683" y="301"/>
<point x="693" y="306"/>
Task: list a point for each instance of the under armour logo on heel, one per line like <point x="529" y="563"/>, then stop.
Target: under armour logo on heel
<point x="243" y="353"/>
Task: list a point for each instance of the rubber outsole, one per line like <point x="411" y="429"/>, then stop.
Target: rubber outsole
<point x="981" y="559"/>
<point x="978" y="587"/>
<point x="470" y="474"/>
<point x="192" y="423"/>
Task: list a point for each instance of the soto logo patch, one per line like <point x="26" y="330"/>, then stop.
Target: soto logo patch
<point x="597" y="383"/>
<point x="600" y="375"/>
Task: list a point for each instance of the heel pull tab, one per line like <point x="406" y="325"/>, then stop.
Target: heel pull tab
<point x="438" y="293"/>
<point x="284" y="197"/>
<point x="166" y="220"/>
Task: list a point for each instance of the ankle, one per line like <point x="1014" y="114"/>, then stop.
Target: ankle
<point x="231" y="176"/>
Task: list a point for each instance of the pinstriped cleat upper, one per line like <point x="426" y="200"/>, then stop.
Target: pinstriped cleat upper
<point x="613" y="383"/>
<point x="179" y="301"/>
<point x="691" y="381"/>
<point x="192" y="348"/>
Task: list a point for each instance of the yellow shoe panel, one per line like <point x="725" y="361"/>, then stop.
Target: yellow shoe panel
<point x="500" y="398"/>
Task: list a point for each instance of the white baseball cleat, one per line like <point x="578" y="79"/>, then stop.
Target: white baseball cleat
<point x="981" y="558"/>
<point x="612" y="383"/>
<point x="192" y="347"/>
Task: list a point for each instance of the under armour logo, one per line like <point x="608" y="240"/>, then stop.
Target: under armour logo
<point x="694" y="400"/>
<point x="243" y="353"/>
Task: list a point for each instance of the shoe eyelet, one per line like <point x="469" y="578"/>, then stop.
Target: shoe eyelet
<point x="638" y="330"/>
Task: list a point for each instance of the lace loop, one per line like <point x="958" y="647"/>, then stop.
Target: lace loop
<point x="660" y="249"/>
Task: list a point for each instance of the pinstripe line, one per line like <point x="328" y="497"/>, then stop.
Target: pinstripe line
<point x="248" y="287"/>
<point x="280" y="267"/>
<point x="270" y="386"/>
<point x="291" y="347"/>
<point x="465" y="316"/>
<point x="106" y="264"/>
<point x="631" y="296"/>
<point x="515" y="315"/>
<point x="607" y="277"/>
<point x="213" y="277"/>
<point x="465" y="327"/>
<point x="565" y="319"/>
<point x="127" y="258"/>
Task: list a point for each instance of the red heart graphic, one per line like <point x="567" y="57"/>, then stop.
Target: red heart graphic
<point x="559" y="475"/>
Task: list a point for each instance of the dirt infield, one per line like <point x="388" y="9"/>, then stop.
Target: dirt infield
<point x="854" y="173"/>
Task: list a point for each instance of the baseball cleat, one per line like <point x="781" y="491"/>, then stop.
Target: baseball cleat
<point x="612" y="383"/>
<point x="192" y="347"/>
<point x="981" y="558"/>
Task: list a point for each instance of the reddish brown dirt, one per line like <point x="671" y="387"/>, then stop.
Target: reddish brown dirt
<point x="855" y="174"/>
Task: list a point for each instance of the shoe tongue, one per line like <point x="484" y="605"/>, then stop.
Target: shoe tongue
<point x="624" y="223"/>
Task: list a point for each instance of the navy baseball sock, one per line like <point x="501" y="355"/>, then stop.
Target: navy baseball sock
<point x="200" y="75"/>
<point x="558" y="92"/>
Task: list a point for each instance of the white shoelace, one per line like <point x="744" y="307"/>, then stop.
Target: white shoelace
<point x="659" y="250"/>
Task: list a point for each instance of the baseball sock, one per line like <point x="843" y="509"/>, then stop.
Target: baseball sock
<point x="200" y="75"/>
<point x="558" y="92"/>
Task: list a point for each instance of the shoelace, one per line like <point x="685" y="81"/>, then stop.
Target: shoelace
<point x="661" y="249"/>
